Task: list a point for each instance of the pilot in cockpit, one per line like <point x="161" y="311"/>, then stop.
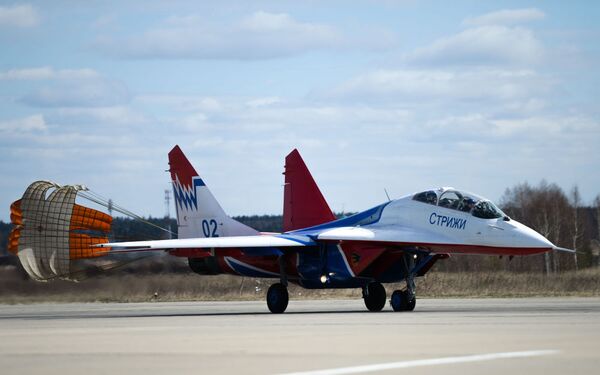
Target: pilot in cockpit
<point x="467" y="204"/>
<point x="431" y="197"/>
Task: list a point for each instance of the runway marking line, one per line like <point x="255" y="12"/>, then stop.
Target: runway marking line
<point x="426" y="362"/>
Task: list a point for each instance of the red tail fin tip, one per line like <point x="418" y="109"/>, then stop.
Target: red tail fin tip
<point x="303" y="203"/>
<point x="180" y="167"/>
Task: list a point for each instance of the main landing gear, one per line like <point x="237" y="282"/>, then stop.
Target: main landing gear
<point x="374" y="296"/>
<point x="277" y="295"/>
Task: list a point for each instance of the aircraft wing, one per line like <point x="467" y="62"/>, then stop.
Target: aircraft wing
<point x="396" y="235"/>
<point x="212" y="242"/>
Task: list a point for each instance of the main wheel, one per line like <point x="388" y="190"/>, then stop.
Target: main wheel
<point x="374" y="296"/>
<point x="402" y="301"/>
<point x="277" y="298"/>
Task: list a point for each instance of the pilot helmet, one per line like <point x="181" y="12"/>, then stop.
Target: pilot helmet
<point x="431" y="197"/>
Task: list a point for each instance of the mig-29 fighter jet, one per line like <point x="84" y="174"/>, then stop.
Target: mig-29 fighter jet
<point x="398" y="240"/>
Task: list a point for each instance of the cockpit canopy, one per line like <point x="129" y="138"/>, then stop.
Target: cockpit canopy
<point x="460" y="201"/>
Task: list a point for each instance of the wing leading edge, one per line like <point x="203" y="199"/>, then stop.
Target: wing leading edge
<point x="214" y="242"/>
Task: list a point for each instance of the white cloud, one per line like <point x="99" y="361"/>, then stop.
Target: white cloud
<point x="101" y="92"/>
<point x="19" y="16"/>
<point x="69" y="87"/>
<point x="544" y="128"/>
<point x="104" y="21"/>
<point x="104" y="116"/>
<point x="261" y="102"/>
<point x="194" y="123"/>
<point x="29" y="124"/>
<point x="513" y="136"/>
<point x="47" y="73"/>
<point x="448" y="85"/>
<point x="181" y="102"/>
<point x="484" y="45"/>
<point x="261" y="35"/>
<point x="264" y="22"/>
<point x="506" y="17"/>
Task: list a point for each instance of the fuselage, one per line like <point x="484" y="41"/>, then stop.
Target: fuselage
<point x="432" y="224"/>
<point x="450" y="229"/>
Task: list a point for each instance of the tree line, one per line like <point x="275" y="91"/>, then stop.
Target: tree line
<point x="562" y="218"/>
<point x="558" y="215"/>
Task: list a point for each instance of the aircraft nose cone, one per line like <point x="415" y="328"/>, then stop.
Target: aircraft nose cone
<point x="530" y="238"/>
<point x="540" y="240"/>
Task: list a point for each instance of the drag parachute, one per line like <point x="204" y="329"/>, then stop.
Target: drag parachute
<point x="51" y="230"/>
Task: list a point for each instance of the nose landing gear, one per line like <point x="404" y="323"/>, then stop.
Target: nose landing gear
<point x="403" y="301"/>
<point x="406" y="300"/>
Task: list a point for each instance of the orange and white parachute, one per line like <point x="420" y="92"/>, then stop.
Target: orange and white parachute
<point x="51" y="231"/>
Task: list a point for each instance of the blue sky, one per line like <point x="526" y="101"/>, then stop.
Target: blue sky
<point x="401" y="95"/>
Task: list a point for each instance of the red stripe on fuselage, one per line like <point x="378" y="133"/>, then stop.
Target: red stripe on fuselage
<point x="458" y="248"/>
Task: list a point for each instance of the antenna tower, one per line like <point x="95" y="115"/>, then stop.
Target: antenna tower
<point x="167" y="203"/>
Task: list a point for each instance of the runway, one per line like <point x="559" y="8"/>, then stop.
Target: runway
<point x="450" y="336"/>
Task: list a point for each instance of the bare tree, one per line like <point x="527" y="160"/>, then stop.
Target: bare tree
<point x="544" y="209"/>
<point x="597" y="204"/>
<point x="577" y="231"/>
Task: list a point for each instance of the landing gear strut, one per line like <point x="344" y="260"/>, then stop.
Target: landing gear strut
<point x="374" y="296"/>
<point x="277" y="295"/>
<point x="406" y="300"/>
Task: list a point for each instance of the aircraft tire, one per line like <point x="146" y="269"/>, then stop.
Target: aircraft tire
<point x="277" y="298"/>
<point x="374" y="297"/>
<point x="400" y="301"/>
<point x="410" y="306"/>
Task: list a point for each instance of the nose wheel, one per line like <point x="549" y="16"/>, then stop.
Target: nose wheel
<point x="403" y="300"/>
<point x="374" y="296"/>
<point x="277" y="298"/>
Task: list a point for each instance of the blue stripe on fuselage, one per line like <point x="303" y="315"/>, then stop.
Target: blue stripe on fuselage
<point x="369" y="216"/>
<point x="247" y="269"/>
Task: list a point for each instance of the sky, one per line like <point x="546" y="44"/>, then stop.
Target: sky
<point x="395" y="95"/>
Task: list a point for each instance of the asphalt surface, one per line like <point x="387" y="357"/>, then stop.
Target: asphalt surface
<point x="451" y="336"/>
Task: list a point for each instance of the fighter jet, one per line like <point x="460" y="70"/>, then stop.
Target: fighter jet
<point x="396" y="241"/>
